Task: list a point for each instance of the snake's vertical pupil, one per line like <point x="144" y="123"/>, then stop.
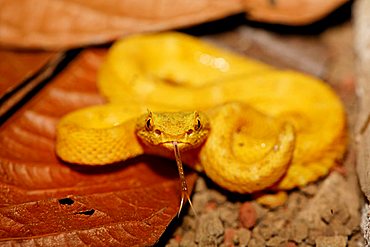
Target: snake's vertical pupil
<point x="148" y="124"/>
<point x="198" y="125"/>
<point x="149" y="121"/>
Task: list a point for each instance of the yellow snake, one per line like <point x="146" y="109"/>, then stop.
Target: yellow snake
<point x="247" y="125"/>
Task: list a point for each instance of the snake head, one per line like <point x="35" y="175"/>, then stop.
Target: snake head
<point x="188" y="129"/>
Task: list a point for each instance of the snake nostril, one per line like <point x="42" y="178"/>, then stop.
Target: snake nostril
<point x="158" y="132"/>
<point x="189" y="132"/>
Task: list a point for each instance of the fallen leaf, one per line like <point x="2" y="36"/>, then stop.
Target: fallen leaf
<point x="65" y="24"/>
<point x="290" y="12"/>
<point x="22" y="71"/>
<point x="44" y="201"/>
<point x="17" y="66"/>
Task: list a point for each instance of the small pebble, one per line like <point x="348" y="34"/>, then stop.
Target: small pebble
<point x="199" y="201"/>
<point x="356" y="240"/>
<point x="314" y="234"/>
<point x="247" y="215"/>
<point x="275" y="241"/>
<point x="334" y="241"/>
<point x="172" y="243"/>
<point x="188" y="223"/>
<point x="257" y="236"/>
<point x="297" y="201"/>
<point x="210" y="230"/>
<point x="208" y="200"/>
<point x="200" y="185"/>
<point x="266" y="231"/>
<point x="210" y="206"/>
<point x="243" y="235"/>
<point x="217" y="197"/>
<point x="178" y="238"/>
<point x="229" y="215"/>
<point x="338" y="228"/>
<point x="229" y="237"/>
<point x="261" y="211"/>
<point x="188" y="240"/>
<point x="256" y="243"/>
<point x="298" y="231"/>
<point x="291" y="244"/>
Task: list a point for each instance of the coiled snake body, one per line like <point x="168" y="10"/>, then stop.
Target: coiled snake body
<point x="246" y="125"/>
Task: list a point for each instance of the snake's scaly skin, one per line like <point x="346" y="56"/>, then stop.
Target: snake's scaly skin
<point x="294" y="135"/>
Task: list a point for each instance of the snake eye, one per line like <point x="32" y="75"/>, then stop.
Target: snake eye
<point x="148" y="124"/>
<point x="198" y="124"/>
<point x="149" y="121"/>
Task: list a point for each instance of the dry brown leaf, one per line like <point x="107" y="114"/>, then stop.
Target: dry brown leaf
<point x="17" y="66"/>
<point x="75" y="23"/>
<point x="65" y="24"/>
<point x="46" y="202"/>
<point x="290" y="12"/>
<point x="22" y="71"/>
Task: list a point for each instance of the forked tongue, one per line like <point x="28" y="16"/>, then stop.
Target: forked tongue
<point x="184" y="186"/>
